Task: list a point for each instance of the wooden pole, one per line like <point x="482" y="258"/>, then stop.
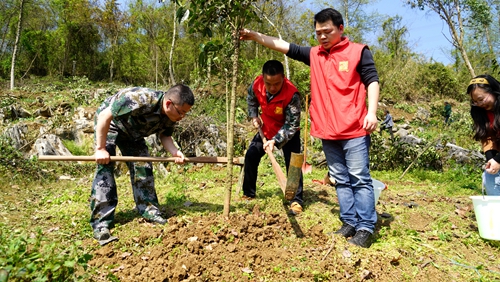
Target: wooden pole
<point x="236" y="161"/>
<point x="276" y="167"/>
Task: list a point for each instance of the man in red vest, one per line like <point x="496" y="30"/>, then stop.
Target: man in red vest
<point x="279" y="101"/>
<point x="343" y="74"/>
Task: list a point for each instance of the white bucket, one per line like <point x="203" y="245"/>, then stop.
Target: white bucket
<point x="487" y="209"/>
<point x="377" y="188"/>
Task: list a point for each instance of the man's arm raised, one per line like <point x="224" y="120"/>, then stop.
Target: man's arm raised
<point x="271" y="42"/>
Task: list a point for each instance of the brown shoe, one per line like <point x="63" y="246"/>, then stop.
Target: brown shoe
<point x="246" y="198"/>
<point x="295" y="209"/>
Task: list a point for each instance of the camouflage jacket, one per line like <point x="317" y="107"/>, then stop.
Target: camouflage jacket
<point x="137" y="112"/>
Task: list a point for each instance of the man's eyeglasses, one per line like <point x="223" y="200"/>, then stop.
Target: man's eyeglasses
<point x="177" y="110"/>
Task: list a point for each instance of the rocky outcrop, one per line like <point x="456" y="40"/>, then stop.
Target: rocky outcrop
<point x="197" y="136"/>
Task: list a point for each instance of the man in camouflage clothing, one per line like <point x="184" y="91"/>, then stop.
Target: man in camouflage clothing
<point x="279" y="101"/>
<point x="123" y="120"/>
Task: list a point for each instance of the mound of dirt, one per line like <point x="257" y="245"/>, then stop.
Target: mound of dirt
<point x="209" y="248"/>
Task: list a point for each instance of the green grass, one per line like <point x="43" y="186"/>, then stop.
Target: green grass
<point x="60" y="210"/>
<point x="45" y="231"/>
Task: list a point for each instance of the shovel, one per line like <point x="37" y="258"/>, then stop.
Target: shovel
<point x="288" y="185"/>
<point x="236" y="161"/>
<point x="306" y="168"/>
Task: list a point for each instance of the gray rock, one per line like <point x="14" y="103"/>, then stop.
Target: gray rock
<point x="50" y="144"/>
<point x="17" y="134"/>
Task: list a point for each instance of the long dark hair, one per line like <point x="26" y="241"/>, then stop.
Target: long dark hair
<point x="482" y="127"/>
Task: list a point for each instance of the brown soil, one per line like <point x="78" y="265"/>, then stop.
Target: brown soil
<point x="256" y="246"/>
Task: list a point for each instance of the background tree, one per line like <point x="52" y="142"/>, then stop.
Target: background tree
<point x="16" y="43"/>
<point x="77" y="39"/>
<point x="357" y="22"/>
<point x="112" y="26"/>
<point x="456" y="14"/>
<point x="231" y="16"/>
<point x="7" y="15"/>
<point x="484" y="30"/>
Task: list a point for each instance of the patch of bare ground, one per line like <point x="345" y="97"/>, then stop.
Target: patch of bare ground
<point x="259" y="246"/>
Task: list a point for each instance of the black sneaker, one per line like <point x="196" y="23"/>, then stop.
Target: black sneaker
<point x="157" y="219"/>
<point x="362" y="238"/>
<point x="346" y="230"/>
<point x="102" y="233"/>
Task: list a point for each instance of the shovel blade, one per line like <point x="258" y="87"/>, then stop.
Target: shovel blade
<point x="306" y="168"/>
<point x="294" y="174"/>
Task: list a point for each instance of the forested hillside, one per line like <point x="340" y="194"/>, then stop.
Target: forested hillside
<point x="159" y="43"/>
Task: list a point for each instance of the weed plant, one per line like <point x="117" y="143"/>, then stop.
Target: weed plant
<point x="33" y="257"/>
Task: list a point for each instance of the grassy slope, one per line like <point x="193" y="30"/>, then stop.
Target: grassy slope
<point x="431" y="224"/>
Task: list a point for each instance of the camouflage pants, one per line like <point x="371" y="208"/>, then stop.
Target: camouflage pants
<point x="104" y="197"/>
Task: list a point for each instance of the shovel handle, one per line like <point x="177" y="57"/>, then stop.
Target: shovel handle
<point x="236" y="161"/>
<point x="276" y="167"/>
<point x="305" y="132"/>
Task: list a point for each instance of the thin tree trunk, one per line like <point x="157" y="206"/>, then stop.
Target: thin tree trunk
<point x="114" y="43"/>
<point x="16" y="43"/>
<point x="227" y="101"/>
<point x="488" y="41"/>
<point x="155" y="50"/>
<point x="111" y="65"/>
<point x="31" y="64"/>
<point x="457" y="35"/>
<point x="209" y="69"/>
<point x="230" y="131"/>
<point x="171" y="60"/>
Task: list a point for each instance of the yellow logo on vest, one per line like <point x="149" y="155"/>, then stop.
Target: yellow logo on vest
<point x="278" y="110"/>
<point x="344" y="66"/>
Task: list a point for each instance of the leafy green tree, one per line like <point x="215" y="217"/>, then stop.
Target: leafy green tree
<point x="229" y="16"/>
<point x="357" y="22"/>
<point x="458" y="15"/>
<point x="76" y="39"/>
<point x="483" y="29"/>
<point x="7" y="18"/>
<point x="393" y="37"/>
<point x="112" y="26"/>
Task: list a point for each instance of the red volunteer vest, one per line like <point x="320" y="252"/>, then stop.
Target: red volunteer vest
<point x="273" y="113"/>
<point x="338" y="97"/>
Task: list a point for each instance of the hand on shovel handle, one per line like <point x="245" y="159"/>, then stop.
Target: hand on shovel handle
<point x="288" y="185"/>
<point x="276" y="167"/>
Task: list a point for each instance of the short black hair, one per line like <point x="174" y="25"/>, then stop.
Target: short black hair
<point x="329" y="14"/>
<point x="180" y="94"/>
<point x="273" y="67"/>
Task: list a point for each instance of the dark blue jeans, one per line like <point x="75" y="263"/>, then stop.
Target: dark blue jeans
<point x="348" y="163"/>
